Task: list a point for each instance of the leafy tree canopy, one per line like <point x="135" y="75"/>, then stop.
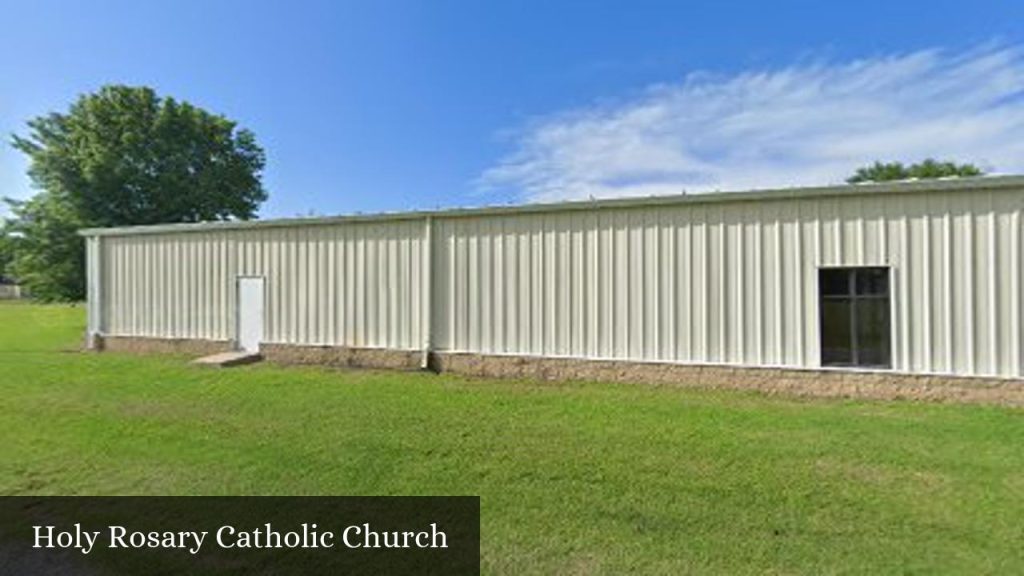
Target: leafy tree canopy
<point x="47" y="252"/>
<point x="125" y="156"/>
<point x="6" y="252"/>
<point x="883" y="172"/>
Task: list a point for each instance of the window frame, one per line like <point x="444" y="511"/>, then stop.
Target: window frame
<point x="853" y="297"/>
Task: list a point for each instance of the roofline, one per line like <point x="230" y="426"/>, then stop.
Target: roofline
<point x="899" y="187"/>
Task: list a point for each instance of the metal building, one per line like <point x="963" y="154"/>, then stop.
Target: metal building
<point x="919" y="277"/>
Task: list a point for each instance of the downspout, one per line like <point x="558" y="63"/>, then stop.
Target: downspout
<point x="427" y="300"/>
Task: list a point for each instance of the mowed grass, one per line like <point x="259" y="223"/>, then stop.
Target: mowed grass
<point x="573" y="478"/>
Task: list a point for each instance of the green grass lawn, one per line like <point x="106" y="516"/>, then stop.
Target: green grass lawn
<point x="574" y="478"/>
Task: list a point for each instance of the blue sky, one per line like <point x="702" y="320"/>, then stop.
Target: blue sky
<point x="395" y="105"/>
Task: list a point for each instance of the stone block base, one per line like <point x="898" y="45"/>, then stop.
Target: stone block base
<point x="797" y="382"/>
<point x="137" y="345"/>
<point x="340" y="356"/>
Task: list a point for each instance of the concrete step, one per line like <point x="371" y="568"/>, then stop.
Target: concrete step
<point x="228" y="359"/>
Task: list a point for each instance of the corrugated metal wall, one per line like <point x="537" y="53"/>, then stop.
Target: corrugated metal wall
<point x="352" y="284"/>
<point x="735" y="283"/>
<point x="719" y="282"/>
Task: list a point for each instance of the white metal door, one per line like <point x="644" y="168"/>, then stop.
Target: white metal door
<point x="250" y="313"/>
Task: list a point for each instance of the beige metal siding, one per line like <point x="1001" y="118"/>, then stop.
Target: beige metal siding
<point x="354" y="284"/>
<point x="735" y="283"/>
<point x="724" y="282"/>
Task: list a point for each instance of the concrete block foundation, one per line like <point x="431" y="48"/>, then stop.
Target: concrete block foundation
<point x="340" y="356"/>
<point x="795" y="382"/>
<point x="137" y="345"/>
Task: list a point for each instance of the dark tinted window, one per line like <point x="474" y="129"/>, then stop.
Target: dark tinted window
<point x="872" y="281"/>
<point x="834" y="282"/>
<point x="836" y="334"/>
<point x="854" y="317"/>
<point x="872" y="332"/>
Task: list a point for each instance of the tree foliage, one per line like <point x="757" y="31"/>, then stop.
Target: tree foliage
<point x="125" y="156"/>
<point x="48" y="254"/>
<point x="7" y="241"/>
<point x="884" y="172"/>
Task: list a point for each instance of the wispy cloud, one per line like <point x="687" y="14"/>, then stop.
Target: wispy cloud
<point x="805" y="124"/>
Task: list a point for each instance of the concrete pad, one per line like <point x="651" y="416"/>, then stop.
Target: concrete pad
<point x="228" y="359"/>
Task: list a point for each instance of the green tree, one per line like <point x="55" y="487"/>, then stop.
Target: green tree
<point x="883" y="172"/>
<point x="6" y="252"/>
<point x="49" y="258"/>
<point x="126" y="156"/>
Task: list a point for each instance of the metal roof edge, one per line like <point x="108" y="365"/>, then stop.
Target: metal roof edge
<point x="902" y="186"/>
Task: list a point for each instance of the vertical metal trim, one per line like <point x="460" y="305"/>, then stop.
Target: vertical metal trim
<point x="723" y="289"/>
<point x="651" y="308"/>
<point x="426" y="291"/>
<point x="332" y="285"/>
<point x="738" y="284"/>
<point x="947" y="280"/>
<point x="799" y="308"/>
<point x="904" y="281"/>
<point x="94" y="291"/>
<point x="926" y="282"/>
<point x="499" y="250"/>
<point x="859" y="229"/>
<point x="1015" y="295"/>
<point x="779" y="297"/>
<point x="706" y="280"/>
<point x="686" y="283"/>
<point x="759" y="288"/>
<point x="993" y="288"/>
<point x="594" y="276"/>
<point x="671" y="300"/>
<point x="837" y="240"/>
<point x="814" y="301"/>
<point x="970" y="328"/>
<point x="238" y="316"/>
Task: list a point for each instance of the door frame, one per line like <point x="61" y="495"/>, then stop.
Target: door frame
<point x="238" y="307"/>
